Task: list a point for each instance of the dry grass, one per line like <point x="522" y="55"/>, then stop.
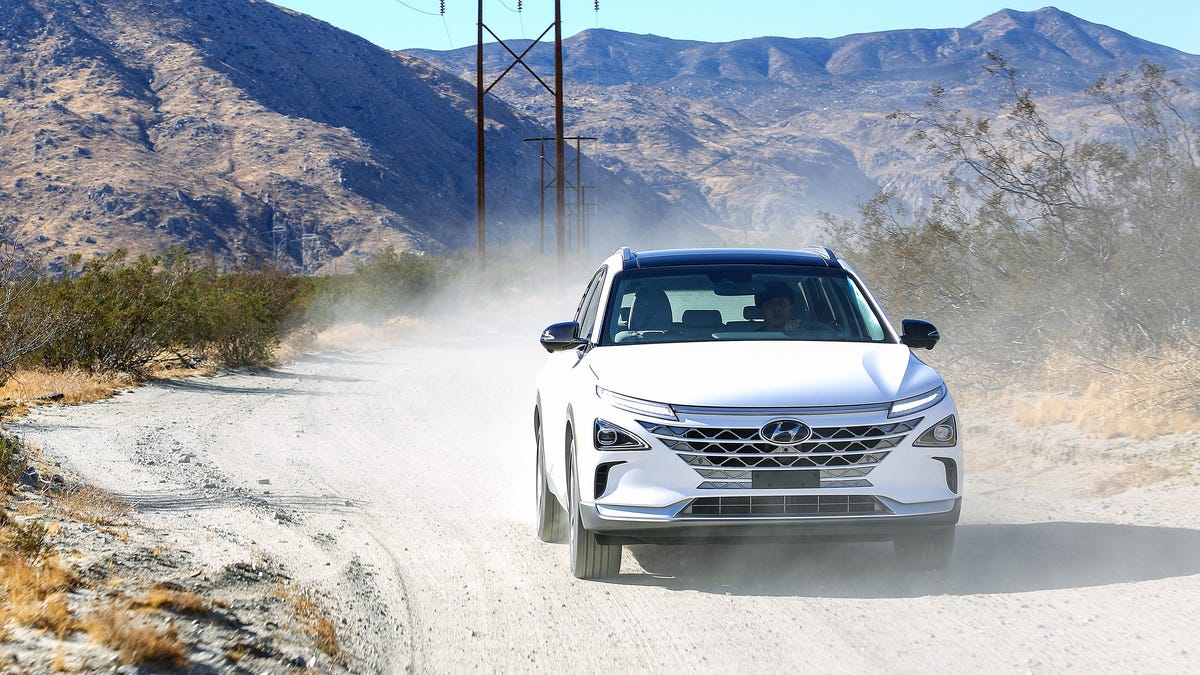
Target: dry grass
<point x="33" y="592"/>
<point x="136" y="642"/>
<point x="162" y="596"/>
<point x="1135" y="395"/>
<point x="26" y="387"/>
<point x="314" y="617"/>
<point x="92" y="505"/>
<point x="76" y="386"/>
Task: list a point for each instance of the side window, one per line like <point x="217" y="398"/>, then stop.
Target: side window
<point x="586" y="316"/>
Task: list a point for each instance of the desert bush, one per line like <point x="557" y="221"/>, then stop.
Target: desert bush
<point x="25" y="325"/>
<point x="33" y="591"/>
<point x="1039" y="245"/>
<point x="125" y="314"/>
<point x="240" y="316"/>
<point x="30" y="538"/>
<point x="313" y="616"/>
<point x="381" y="287"/>
<point x="136" y="641"/>
<point x="13" y="459"/>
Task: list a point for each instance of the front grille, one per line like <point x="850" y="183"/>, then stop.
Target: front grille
<point x="845" y="455"/>
<point x="765" y="506"/>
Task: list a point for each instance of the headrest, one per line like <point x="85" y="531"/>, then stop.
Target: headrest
<point x="702" y="317"/>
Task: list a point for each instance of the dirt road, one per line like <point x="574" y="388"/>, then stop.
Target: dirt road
<point x="399" y="481"/>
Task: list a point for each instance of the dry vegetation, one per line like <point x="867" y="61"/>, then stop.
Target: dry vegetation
<point x="135" y="636"/>
<point x="1058" y="265"/>
<point x="1140" y="395"/>
<point x="313" y="616"/>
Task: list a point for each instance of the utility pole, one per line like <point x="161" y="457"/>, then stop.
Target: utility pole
<point x="480" y="192"/>
<point x="578" y="187"/>
<point x="559" y="150"/>
<point x="560" y="167"/>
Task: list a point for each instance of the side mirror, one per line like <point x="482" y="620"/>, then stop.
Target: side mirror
<point x="919" y="334"/>
<point x="560" y="336"/>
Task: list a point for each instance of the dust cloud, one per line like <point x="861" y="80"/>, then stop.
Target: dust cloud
<point x="394" y="471"/>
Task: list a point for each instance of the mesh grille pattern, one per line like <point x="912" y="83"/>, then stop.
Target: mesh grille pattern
<point x="786" y="505"/>
<point x="845" y="455"/>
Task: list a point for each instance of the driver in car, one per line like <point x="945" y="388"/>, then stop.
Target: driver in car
<point x="777" y="303"/>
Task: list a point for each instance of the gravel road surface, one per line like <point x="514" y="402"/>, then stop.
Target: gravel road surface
<point x="399" y="482"/>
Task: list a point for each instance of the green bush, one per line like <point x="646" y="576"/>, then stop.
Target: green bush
<point x="241" y="316"/>
<point x="114" y="314"/>
<point x="385" y="285"/>
<point x="124" y="315"/>
<point x="13" y="460"/>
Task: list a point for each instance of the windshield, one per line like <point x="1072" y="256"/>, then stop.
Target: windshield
<point x="738" y="302"/>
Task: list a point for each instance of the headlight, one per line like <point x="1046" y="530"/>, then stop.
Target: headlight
<point x="914" y="404"/>
<point x="941" y="435"/>
<point x="661" y="411"/>
<point x="608" y="436"/>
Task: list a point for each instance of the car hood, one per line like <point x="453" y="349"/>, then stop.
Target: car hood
<point x="762" y="374"/>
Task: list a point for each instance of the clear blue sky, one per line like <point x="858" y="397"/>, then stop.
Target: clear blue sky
<point x="404" y="24"/>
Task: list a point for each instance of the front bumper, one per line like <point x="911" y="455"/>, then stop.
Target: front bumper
<point x="862" y="478"/>
<point x="616" y="525"/>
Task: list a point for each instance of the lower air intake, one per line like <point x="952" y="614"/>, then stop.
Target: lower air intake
<point x="762" y="506"/>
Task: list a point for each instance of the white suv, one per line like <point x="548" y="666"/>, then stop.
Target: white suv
<point x="741" y="394"/>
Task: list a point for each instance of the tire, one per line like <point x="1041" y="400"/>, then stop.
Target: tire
<point x="927" y="550"/>
<point x="589" y="559"/>
<point x="551" y="519"/>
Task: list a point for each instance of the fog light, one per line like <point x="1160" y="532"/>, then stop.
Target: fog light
<point x="943" y="432"/>
<point x="941" y="435"/>
<point x="606" y="436"/>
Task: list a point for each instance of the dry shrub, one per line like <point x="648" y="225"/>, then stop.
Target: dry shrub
<point x="117" y="627"/>
<point x="314" y="617"/>
<point x="75" y="385"/>
<point x="53" y="615"/>
<point x="93" y="505"/>
<point x="33" y="592"/>
<point x="30" y="538"/>
<point x="1141" y="395"/>
<point x="161" y="596"/>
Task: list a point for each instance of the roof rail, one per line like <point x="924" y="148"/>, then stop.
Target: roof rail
<point x="823" y="251"/>
<point x="627" y="258"/>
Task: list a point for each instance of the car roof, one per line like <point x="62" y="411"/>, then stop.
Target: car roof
<point x="814" y="257"/>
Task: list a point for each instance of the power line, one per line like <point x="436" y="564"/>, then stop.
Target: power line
<point x="421" y="11"/>
<point x="449" y="40"/>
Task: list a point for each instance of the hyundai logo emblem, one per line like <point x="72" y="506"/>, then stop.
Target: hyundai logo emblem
<point x="785" y="432"/>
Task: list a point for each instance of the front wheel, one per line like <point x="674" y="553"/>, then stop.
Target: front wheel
<point x="589" y="559"/>
<point x="551" y="520"/>
<point x="926" y="550"/>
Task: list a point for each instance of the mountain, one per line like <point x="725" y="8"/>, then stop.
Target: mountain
<point x="769" y="132"/>
<point x="244" y="130"/>
<point x="249" y="132"/>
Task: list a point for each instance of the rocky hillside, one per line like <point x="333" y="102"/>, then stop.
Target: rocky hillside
<point x="768" y="132"/>
<point x="237" y="127"/>
<point x="252" y="132"/>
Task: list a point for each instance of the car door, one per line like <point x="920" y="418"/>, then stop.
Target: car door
<point x="563" y="378"/>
